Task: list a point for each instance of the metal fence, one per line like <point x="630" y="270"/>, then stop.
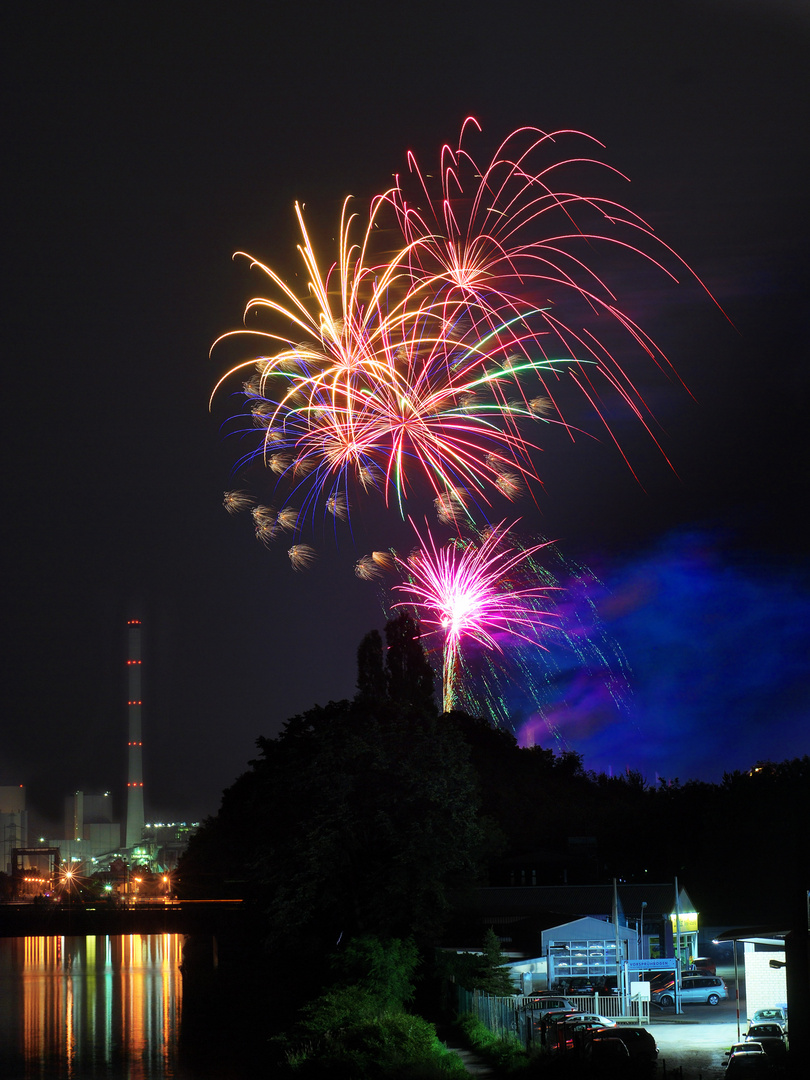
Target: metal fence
<point x="516" y="1016"/>
<point x="613" y="1006"/>
<point x="502" y="1015"/>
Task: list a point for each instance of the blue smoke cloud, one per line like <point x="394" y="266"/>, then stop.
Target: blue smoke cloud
<point x="718" y="655"/>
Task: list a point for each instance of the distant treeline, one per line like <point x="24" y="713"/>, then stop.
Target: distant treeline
<point x="376" y="815"/>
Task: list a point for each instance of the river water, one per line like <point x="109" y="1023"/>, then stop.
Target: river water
<point x="82" y="1008"/>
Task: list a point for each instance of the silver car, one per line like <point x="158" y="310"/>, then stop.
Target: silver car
<point x="695" y="990"/>
<point x="770" y="1016"/>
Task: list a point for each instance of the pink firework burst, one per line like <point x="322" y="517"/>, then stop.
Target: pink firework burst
<point x="479" y="591"/>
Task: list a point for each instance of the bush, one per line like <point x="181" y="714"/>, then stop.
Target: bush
<point x="358" y="1028"/>
<point x="395" y="1046"/>
<point x="505" y="1053"/>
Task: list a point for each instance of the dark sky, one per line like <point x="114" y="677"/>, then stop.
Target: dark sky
<point x="144" y="144"/>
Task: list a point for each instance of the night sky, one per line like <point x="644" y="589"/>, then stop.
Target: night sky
<point x="144" y="144"/>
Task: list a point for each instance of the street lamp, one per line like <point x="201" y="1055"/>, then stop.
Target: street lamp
<point x="641" y="943"/>
<point x="737" y="988"/>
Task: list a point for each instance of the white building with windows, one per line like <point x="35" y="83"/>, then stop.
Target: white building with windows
<point x="573" y="937"/>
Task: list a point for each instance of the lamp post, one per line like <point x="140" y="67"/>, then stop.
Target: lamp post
<point x="641" y="935"/>
<point x="737" y="988"/>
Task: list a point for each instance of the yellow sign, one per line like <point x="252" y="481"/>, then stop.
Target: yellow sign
<point x="688" y="922"/>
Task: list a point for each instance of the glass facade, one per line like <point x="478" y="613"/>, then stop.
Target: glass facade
<point x="594" y="959"/>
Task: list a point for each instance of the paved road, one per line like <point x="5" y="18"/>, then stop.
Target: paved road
<point x="695" y="1047"/>
<point x="697" y="1039"/>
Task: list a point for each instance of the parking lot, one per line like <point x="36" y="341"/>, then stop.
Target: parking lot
<point x="693" y="1045"/>
<point x="695" y="1040"/>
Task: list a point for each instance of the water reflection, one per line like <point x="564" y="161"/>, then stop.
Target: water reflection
<point x="76" y="1007"/>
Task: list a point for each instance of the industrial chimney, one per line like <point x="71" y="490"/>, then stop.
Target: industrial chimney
<point x="135" y="821"/>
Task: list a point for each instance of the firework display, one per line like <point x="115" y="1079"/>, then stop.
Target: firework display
<point x="455" y="324"/>
<point x="568" y="675"/>
<point x="477" y="591"/>
<point x="433" y="366"/>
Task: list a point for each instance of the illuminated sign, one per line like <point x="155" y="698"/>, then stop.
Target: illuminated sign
<point x="687" y="922"/>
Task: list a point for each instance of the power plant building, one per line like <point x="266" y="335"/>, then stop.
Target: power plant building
<point x="89" y="828"/>
<point x="13" y="823"/>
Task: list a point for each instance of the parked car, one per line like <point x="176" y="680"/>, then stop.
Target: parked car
<point x="640" y="1044"/>
<point x="544" y="1020"/>
<point x="608" y="1055"/>
<point x="745" y="1060"/>
<point x="695" y="990"/>
<point x="592" y="1019"/>
<point x="758" y="1032"/>
<point x="570" y="1032"/>
<point x="770" y="1016"/>
<point x="744" y="1048"/>
<point x="578" y="985"/>
<point x="560" y="1037"/>
<point x="770" y="1037"/>
<point x="545" y="1003"/>
<point x="703" y="965"/>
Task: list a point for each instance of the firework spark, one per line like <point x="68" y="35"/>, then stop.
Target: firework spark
<point x="476" y="591"/>
<point x="266" y="521"/>
<point x="302" y="556"/>
<point x="374" y="566"/>
<point x="234" y="501"/>
<point x="287" y="518"/>
<point x="449" y="507"/>
<point x="338" y="505"/>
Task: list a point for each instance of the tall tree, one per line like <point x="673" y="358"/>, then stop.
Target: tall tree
<point x="410" y="676"/>
<point x="370" y="820"/>
<point x="371" y="677"/>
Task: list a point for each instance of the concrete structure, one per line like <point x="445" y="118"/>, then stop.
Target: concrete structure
<point x="765" y="978"/>
<point x="135" y="818"/>
<point x="13" y="823"/>
<point x="89" y="828"/>
<point x="167" y="841"/>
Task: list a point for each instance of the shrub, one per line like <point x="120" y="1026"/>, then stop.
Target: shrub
<point x="505" y="1053"/>
<point x="395" y="1046"/>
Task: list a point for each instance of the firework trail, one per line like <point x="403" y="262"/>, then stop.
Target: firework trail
<point x="475" y="591"/>
<point x="487" y="239"/>
<point x="427" y="368"/>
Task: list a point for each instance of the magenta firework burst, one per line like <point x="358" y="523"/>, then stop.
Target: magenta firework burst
<point x="479" y="590"/>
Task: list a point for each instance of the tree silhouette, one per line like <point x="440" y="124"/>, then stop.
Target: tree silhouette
<point x="372" y="685"/>
<point x="410" y="676"/>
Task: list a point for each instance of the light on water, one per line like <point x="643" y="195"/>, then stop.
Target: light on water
<point x="106" y="1006"/>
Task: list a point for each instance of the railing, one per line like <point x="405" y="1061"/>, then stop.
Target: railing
<point x="506" y="1016"/>
<point x="183" y="917"/>
<point x="610" y="1005"/>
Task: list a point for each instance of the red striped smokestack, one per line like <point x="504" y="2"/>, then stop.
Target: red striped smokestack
<point x="135" y="745"/>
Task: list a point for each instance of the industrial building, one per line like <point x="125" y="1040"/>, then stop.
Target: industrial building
<point x="91" y="837"/>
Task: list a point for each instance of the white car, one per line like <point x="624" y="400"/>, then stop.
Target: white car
<point x="770" y="1016"/>
<point x="592" y="1019"/>
<point x="543" y="1004"/>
